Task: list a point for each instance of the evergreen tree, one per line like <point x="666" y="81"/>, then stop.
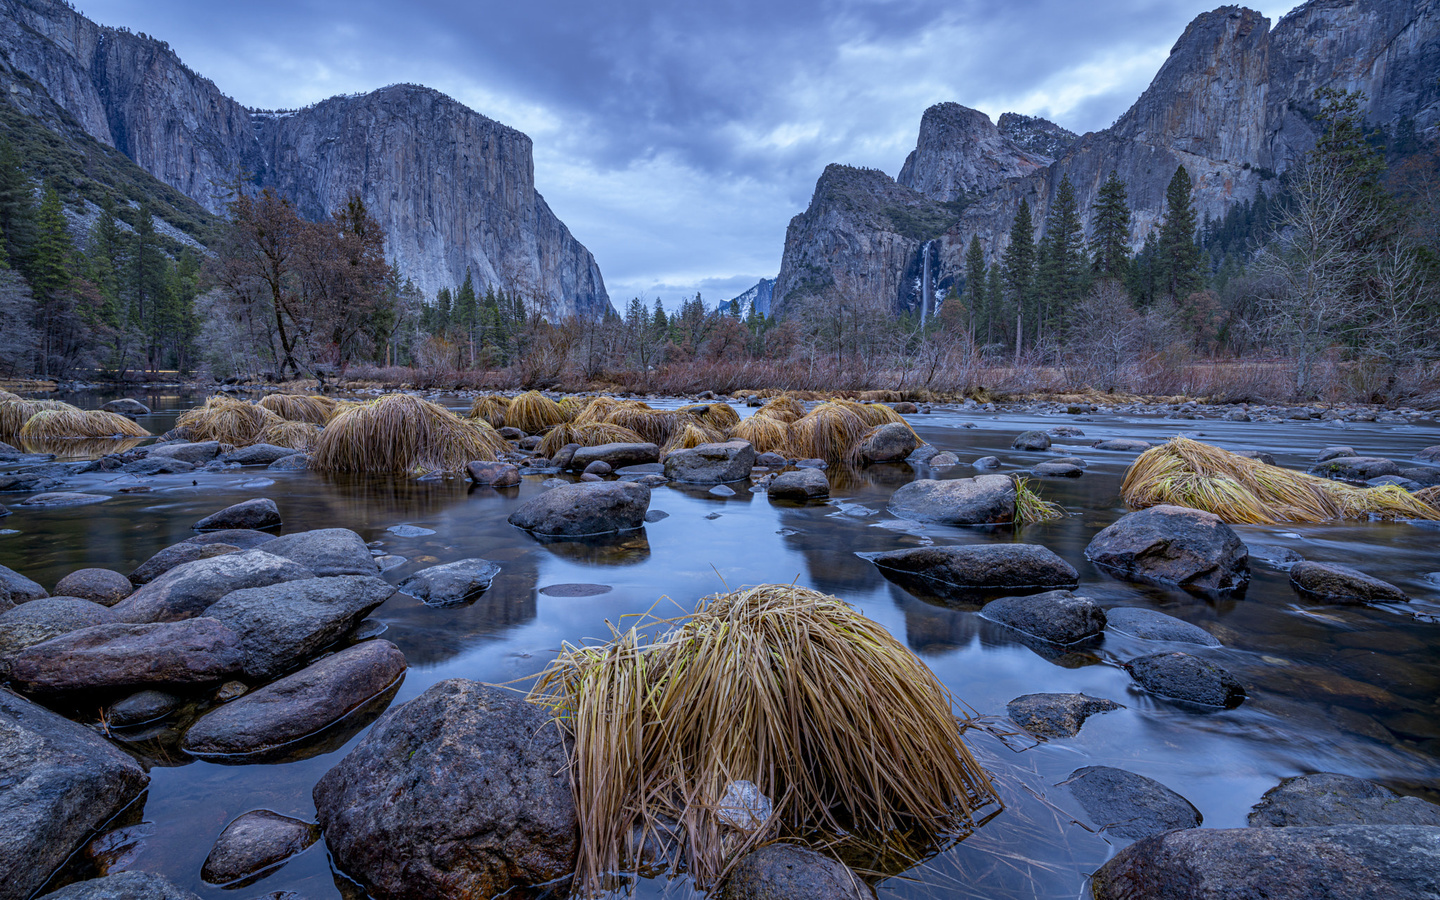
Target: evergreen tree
<point x="443" y="312"/>
<point x="662" y="324"/>
<point x="467" y="313"/>
<point x="975" y="295"/>
<point x="1179" y="262"/>
<point x="1019" y="262"/>
<point x="995" y="302"/>
<point x="1110" y="245"/>
<point x="1060" y="260"/>
<point x="151" y="305"/>
<point x="50" y="276"/>
<point x="106" y="261"/>
<point x="17" y="207"/>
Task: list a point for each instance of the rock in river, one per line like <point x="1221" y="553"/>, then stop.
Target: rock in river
<point x="982" y="500"/>
<point x="890" y="442"/>
<point x="193" y="453"/>
<point x="711" y="463"/>
<point x="1396" y="862"/>
<point x="1180" y="676"/>
<point x="573" y="510"/>
<point x="800" y="485"/>
<point x="176" y="555"/>
<point x="1325" y="798"/>
<point x="126" y="407"/>
<point x="1355" y="468"/>
<point x="254" y="842"/>
<point x="617" y="455"/>
<point x="123" y="886"/>
<point x="1058" y="617"/>
<point x="258" y="513"/>
<point x="1156" y="626"/>
<point x="1018" y="568"/>
<point x="1327" y="581"/>
<point x="279" y="625"/>
<point x="1056" y="715"/>
<point x="462" y="792"/>
<point x="452" y="583"/>
<point x="59" y="782"/>
<point x="1129" y="805"/>
<point x="188" y="590"/>
<point x="55" y="499"/>
<point x="496" y="474"/>
<point x="124" y="656"/>
<point x="20" y="588"/>
<point x="1173" y="545"/>
<point x="326" y="551"/>
<point x="257" y="455"/>
<point x="298" y="705"/>
<point x="98" y="585"/>
<point x="1031" y="440"/>
<point x="792" y="872"/>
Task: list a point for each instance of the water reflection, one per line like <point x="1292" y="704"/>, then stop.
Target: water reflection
<point x="79" y="448"/>
<point x="623" y="548"/>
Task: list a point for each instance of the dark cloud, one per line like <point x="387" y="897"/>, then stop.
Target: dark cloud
<point x="677" y="139"/>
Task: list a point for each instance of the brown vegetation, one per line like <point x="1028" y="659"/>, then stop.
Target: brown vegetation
<point x="312" y="408"/>
<point x="50" y="424"/>
<point x="400" y="434"/>
<point x="228" y="420"/>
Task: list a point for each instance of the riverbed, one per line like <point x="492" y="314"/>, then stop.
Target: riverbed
<point x="1346" y="689"/>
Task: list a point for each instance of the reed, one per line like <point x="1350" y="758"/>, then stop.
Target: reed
<point x="295" y="435"/>
<point x="1030" y="508"/>
<point x="491" y="408"/>
<point x="591" y="434"/>
<point x="765" y="434"/>
<point x="838" y="723"/>
<point x="311" y="408"/>
<point x="51" y="424"/>
<point x="1244" y="491"/>
<point x="690" y="434"/>
<point x="228" y="420"/>
<point x="532" y="412"/>
<point x="400" y="434"/>
<point x="830" y="431"/>
<point x="784" y="408"/>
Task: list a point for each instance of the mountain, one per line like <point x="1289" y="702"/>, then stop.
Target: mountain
<point x="1234" y="103"/>
<point x="756" y="299"/>
<point x="452" y="188"/>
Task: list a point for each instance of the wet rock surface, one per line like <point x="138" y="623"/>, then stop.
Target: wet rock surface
<point x="891" y="442"/>
<point x="573" y="510"/>
<point x="257" y="455"/>
<point x="254" y="842"/>
<point x="981" y="567"/>
<point x="194" y="453"/>
<point x="452" y="583"/>
<point x="1128" y="805"/>
<point x="800" y="486"/>
<point x="720" y="463"/>
<point x="1056" y="715"/>
<point x="1156" y="626"/>
<point x="496" y="474"/>
<point x="122" y="656"/>
<point x="1173" y="545"/>
<point x="1180" y="676"/>
<point x="1325" y="798"/>
<point x="792" y="872"/>
<point x="176" y="555"/>
<point x="256" y="514"/>
<point x="1031" y="440"/>
<point x="325" y="551"/>
<point x="982" y="500"/>
<point x="58" y="499"/>
<point x="1328" y="581"/>
<point x="460" y="792"/>
<point x="1355" y="468"/>
<point x="189" y="589"/>
<point x="617" y="456"/>
<point x="1058" y="617"/>
<point x="141" y="707"/>
<point x="98" y="585"/>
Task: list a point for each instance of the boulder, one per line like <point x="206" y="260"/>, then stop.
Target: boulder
<point x="1056" y="715"/>
<point x="1396" y="862"/>
<point x="986" y="462"/>
<point x="573" y="510"/>
<point x="1180" y="676"/>
<point x="280" y="625"/>
<point x="189" y="589"/>
<point x="57" y="499"/>
<point x="452" y="583"/>
<point x="97" y="585"/>
<point x="1123" y="444"/>
<point x="462" y="792"/>
<point x="123" y="886"/>
<point x="122" y="656"/>
<point x="792" y="872"/>
<point x="947" y="459"/>
<point x="19" y="482"/>
<point x="1257" y="455"/>
<point x="1129" y="805"/>
<point x="981" y="567"/>
<point x="1058" y="617"/>
<point x="299" y="704"/>
<point x="1173" y="545"/>
<point x="891" y="442"/>
<point x="59" y="614"/>
<point x="257" y="455"/>
<point x="1330" y="453"/>
<point x="770" y="460"/>
<point x="1065" y="431"/>
<point x="1328" y="581"/>
<point x="566" y="454"/>
<point x="1057" y="469"/>
<point x="495" y="474"/>
<point x="244" y="538"/>
<point x="176" y="555"/>
<point x="1156" y="626"/>
<point x="921" y="454"/>
<point x="1429" y="454"/>
<point x="126" y="407"/>
<point x="253" y="514"/>
<point x="982" y="500"/>
<point x="295" y="462"/>
<point x="711" y="463"/>
<point x="326" y="551"/>
<point x="800" y="485"/>
<point x="141" y="707"/>
<point x="1355" y="468"/>
<point x="159" y="465"/>
<point x="1325" y="798"/>
<point x="195" y="454"/>
<point x="617" y="455"/>
<point x="253" y="842"/>
<point x="59" y="782"/>
<point x="1031" y="440"/>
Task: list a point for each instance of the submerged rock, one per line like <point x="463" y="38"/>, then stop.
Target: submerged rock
<point x="792" y="872"/>
<point x="1156" y="626"/>
<point x="57" y="499"/>
<point x="452" y="583"/>
<point x="1328" y="581"/>
<point x="1173" y="545"/>
<point x="1057" y="469"/>
<point x="982" y="500"/>
<point x="1325" y="798"/>
<point x="573" y="510"/>
<point x="1180" y="676"/>
<point x="1128" y="805"/>
<point x="1058" y="617"/>
<point x="141" y="707"/>
<point x="718" y="463"/>
<point x="254" y="842"/>
<point x="1056" y="715"/>
<point x="256" y="514"/>
<point x="461" y="792"/>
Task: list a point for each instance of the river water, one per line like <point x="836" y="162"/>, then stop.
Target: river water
<point x="1331" y="688"/>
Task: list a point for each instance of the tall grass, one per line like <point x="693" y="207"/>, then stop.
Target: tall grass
<point x="296" y="435"/>
<point x="691" y="434"/>
<point x="591" y="434"/>
<point x="830" y="431"/>
<point x="765" y="434"/>
<point x="1243" y="491"/>
<point x="657" y="426"/>
<point x="228" y="420"/>
<point x="785" y="408"/>
<point x="491" y="408"/>
<point x="838" y="723"/>
<point x="311" y="408"/>
<point x="7" y="397"/>
<point x="49" y="424"/>
<point x="400" y="434"/>
<point x="15" y="413"/>
<point x="532" y="412"/>
<point x="1030" y="508"/>
<point x="718" y="416"/>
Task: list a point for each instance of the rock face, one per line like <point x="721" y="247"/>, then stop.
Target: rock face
<point x="1173" y="545"/>
<point x="961" y="153"/>
<point x="982" y="500"/>
<point x="453" y="189"/>
<point x="462" y="792"/>
<point x="1129" y="805"/>
<point x="298" y="705"/>
<point x="712" y="463"/>
<point x="253" y="842"/>
<point x="574" y="510"/>
<point x="982" y="567"/>
<point x="1328" y="799"/>
<point x="62" y="781"/>
<point x="1396" y="862"/>
<point x="791" y="872"/>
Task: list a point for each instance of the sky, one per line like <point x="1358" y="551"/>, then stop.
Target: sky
<point x="677" y="139"/>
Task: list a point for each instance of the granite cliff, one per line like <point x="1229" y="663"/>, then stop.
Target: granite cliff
<point x="452" y="188"/>
<point x="1234" y="103"/>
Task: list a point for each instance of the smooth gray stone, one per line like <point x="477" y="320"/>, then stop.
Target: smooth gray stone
<point x="1156" y="626"/>
<point x="451" y="584"/>
<point x="1128" y="805"/>
<point x="1325" y="798"/>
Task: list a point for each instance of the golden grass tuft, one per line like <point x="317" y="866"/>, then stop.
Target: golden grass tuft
<point x="691" y="433"/>
<point x="15" y="413"/>
<point x="830" y="431"/>
<point x="1030" y="508"/>
<point x="51" y="424"/>
<point x="881" y="396"/>
<point x="532" y="412"/>
<point x="399" y="434"/>
<point x="590" y="434"/>
<point x="718" y="416"/>
<point x="1430" y="495"/>
<point x="295" y="435"/>
<point x="838" y="723"/>
<point x="312" y="408"/>
<point x="80" y="448"/>
<point x="784" y="408"/>
<point x="656" y="426"/>
<point x="7" y="397"/>
<point x="572" y="404"/>
<point x="765" y="434"/>
<point x="228" y="420"/>
<point x="1244" y="491"/>
<point x="491" y="408"/>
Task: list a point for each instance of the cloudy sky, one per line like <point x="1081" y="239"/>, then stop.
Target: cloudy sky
<point x="677" y="139"/>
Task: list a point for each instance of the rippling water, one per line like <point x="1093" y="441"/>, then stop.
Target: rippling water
<point x="1332" y="688"/>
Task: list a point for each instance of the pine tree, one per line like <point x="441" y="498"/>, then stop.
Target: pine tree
<point x="995" y="302"/>
<point x="106" y="259"/>
<point x="17" y="207"/>
<point x="1179" y="262"/>
<point x="1110" y="245"/>
<point x="975" y="296"/>
<point x="467" y="313"/>
<point x="1019" y="262"/>
<point x="50" y="275"/>
<point x="443" y="312"/>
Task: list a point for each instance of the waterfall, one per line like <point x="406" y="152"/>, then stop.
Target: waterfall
<point x="925" y="284"/>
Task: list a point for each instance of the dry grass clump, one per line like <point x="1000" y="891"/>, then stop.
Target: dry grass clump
<point x="881" y="397"/>
<point x="80" y="448"/>
<point x="15" y="413"/>
<point x="1030" y="508"/>
<point x="590" y="434"/>
<point x="838" y="723"/>
<point x="295" y="435"/>
<point x="7" y="397"/>
<point x="1243" y="491"/>
<point x="228" y="420"/>
<point x="1430" y="495"/>
<point x="491" y="408"/>
<point x="399" y="434"/>
<point x="597" y="408"/>
<point x="50" y="424"/>
<point x="532" y="412"/>
<point x="572" y="404"/>
<point x="830" y="431"/>
<point x="690" y="434"/>
<point x="656" y="426"/>
<point x="718" y="416"/>
<point x="784" y="408"/>
<point x="765" y="434"/>
<point x="312" y="408"/>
